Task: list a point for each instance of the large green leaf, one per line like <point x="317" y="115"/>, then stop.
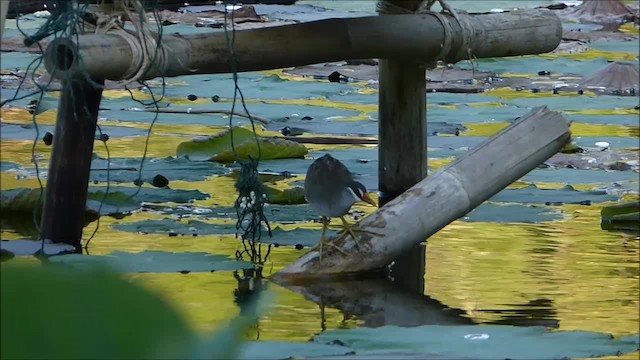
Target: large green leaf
<point x="155" y="261"/>
<point x="52" y="313"/>
<point x="480" y="342"/>
<point x="218" y="147"/>
<point x="203" y="149"/>
<point x="270" y="148"/>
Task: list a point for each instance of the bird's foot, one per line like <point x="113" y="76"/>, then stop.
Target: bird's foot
<point x="324" y="242"/>
<point x="352" y="230"/>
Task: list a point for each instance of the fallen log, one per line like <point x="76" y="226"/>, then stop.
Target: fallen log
<point x="439" y="199"/>
<point x="424" y="38"/>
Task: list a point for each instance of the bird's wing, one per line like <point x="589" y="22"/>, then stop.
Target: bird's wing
<point x="333" y="170"/>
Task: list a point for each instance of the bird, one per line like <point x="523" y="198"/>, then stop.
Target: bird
<point x="330" y="190"/>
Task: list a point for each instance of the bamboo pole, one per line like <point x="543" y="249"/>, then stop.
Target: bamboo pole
<point x="402" y="147"/>
<point x="441" y="198"/>
<point x="68" y="177"/>
<point x="401" y="37"/>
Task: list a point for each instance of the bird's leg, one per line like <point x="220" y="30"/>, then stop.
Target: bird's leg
<point x="353" y="229"/>
<point x="323" y="239"/>
<point x="448" y="8"/>
<point x="429" y="3"/>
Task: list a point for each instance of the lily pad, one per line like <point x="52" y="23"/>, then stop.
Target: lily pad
<point x="566" y="195"/>
<point x="276" y="350"/>
<point x="125" y="170"/>
<point x="30" y="247"/>
<point x="564" y="103"/>
<point x="480" y="342"/>
<point x="218" y="147"/>
<point x="299" y="238"/>
<point x="119" y="200"/>
<point x="285" y="214"/>
<point x="516" y="213"/>
<point x="576" y="176"/>
<point x="175" y="227"/>
<point x="155" y="262"/>
<point x="293" y="195"/>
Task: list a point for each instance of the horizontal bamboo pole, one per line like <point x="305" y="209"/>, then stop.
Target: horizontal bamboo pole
<point x="441" y="198"/>
<point x="409" y="37"/>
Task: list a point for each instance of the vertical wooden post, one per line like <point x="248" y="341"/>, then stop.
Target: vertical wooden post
<point x="68" y="179"/>
<point x="4" y="8"/>
<point x="402" y="149"/>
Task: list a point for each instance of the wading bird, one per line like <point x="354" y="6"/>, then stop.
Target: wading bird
<point x="331" y="191"/>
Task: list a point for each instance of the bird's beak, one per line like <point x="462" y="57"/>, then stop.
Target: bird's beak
<point x="366" y="198"/>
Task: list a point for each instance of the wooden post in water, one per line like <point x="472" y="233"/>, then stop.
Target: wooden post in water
<point x="68" y="179"/>
<point x="402" y="146"/>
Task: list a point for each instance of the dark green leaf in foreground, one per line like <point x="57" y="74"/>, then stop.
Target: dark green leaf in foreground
<point x="218" y="147"/>
<point x="155" y="261"/>
<point x="481" y="342"/>
<point x="54" y="313"/>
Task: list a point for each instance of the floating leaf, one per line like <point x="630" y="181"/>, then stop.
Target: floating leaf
<point x="155" y="261"/>
<point x="566" y="195"/>
<point x="517" y="213"/>
<point x="480" y="342"/>
<point x="125" y="170"/>
<point x="19" y="200"/>
<point x="174" y="227"/>
<point x="30" y="247"/>
<point x="271" y="148"/>
<point x="203" y="149"/>
<point x="288" y="196"/>
<point x="218" y="147"/>
<point x="119" y="200"/>
<point x="276" y="350"/>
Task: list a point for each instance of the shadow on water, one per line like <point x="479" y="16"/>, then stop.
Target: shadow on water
<point x="381" y="302"/>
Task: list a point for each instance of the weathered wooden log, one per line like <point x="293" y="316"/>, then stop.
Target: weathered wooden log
<point x="68" y="177"/>
<point x="402" y="148"/>
<point x="441" y="198"/>
<point x="402" y="37"/>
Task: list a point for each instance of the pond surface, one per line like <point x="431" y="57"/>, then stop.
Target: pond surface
<point x="534" y="255"/>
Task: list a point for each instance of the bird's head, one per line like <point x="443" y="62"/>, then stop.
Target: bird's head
<point x="360" y="193"/>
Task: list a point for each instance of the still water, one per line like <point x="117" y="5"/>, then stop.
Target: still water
<point x="566" y="274"/>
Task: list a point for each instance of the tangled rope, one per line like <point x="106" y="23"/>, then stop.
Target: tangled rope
<point x="146" y="49"/>
<point x="466" y="25"/>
